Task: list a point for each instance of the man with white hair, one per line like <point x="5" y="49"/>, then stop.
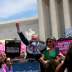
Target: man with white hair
<point x="34" y="46"/>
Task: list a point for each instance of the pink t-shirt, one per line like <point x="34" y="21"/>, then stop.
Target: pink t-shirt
<point x="4" y="67"/>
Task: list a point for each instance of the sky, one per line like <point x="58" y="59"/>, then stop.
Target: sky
<point x="17" y="9"/>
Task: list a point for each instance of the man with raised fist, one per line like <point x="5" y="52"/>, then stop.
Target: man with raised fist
<point x="35" y="47"/>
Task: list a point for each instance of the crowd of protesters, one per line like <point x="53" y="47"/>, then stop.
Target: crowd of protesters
<point x="46" y="53"/>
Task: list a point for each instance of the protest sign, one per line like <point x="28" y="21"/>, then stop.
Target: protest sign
<point x="28" y="66"/>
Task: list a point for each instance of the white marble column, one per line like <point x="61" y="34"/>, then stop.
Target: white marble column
<point x="54" y="19"/>
<point x="67" y="19"/>
<point x="41" y="20"/>
<point x="42" y="30"/>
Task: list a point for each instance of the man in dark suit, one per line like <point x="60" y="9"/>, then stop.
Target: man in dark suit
<point x="35" y="47"/>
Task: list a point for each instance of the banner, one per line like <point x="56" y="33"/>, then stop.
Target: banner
<point x="2" y="46"/>
<point x="26" y="67"/>
<point x="12" y="48"/>
<point x="23" y="47"/>
<point x="63" y="45"/>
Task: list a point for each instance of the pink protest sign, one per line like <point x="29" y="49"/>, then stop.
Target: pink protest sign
<point x="63" y="45"/>
<point x="23" y="47"/>
<point x="2" y="46"/>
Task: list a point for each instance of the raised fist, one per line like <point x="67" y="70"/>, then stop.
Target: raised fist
<point x="17" y="26"/>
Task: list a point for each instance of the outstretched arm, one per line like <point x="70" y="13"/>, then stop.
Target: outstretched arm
<point x="22" y="37"/>
<point x="18" y="27"/>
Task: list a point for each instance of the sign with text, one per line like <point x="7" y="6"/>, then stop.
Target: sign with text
<point x="26" y="67"/>
<point x="12" y="48"/>
<point x="63" y="45"/>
